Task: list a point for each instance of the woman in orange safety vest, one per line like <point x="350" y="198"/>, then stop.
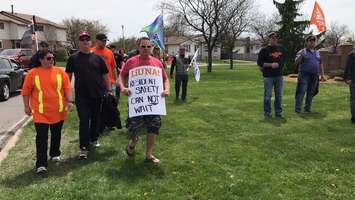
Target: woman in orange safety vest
<point x="46" y="96"/>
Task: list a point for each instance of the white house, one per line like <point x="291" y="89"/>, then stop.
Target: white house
<point x="13" y="25"/>
<point x="191" y="44"/>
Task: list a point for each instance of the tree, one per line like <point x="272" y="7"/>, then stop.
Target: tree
<point x="205" y="17"/>
<point x="236" y="26"/>
<point x="336" y="35"/>
<point x="129" y="43"/>
<point x="176" y="26"/>
<point x="75" y="25"/>
<point x="291" y="32"/>
<point x="263" y="24"/>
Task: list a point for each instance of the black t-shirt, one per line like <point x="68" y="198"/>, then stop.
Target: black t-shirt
<point x="88" y="70"/>
<point x="119" y="60"/>
<point x="270" y="54"/>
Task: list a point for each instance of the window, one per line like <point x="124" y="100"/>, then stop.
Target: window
<point x="1" y="44"/>
<point x="40" y="28"/>
<point x="188" y="47"/>
<point x="2" y="26"/>
<point x="4" y="64"/>
<point x="17" y="44"/>
<point x="14" y="65"/>
<point x="26" y="52"/>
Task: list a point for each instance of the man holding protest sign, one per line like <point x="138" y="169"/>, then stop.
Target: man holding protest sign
<point x="144" y="80"/>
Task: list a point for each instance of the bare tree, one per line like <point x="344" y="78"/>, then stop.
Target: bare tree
<point x="336" y="35"/>
<point x="262" y="24"/>
<point x="176" y="26"/>
<point x="237" y="24"/>
<point x="74" y="26"/>
<point x="206" y="18"/>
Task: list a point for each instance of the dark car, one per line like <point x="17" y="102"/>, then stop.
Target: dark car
<point x="22" y="56"/>
<point x="12" y="75"/>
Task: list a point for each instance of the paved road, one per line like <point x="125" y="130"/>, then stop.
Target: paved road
<point x="11" y="111"/>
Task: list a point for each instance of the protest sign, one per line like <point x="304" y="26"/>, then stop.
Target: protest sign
<point x="146" y="86"/>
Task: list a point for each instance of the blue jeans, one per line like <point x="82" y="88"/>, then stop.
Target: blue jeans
<point x="269" y="84"/>
<point x="306" y="83"/>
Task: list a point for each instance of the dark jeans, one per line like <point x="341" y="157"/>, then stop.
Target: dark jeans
<point x="181" y="80"/>
<point x="89" y="116"/>
<point x="275" y="83"/>
<point x="306" y="83"/>
<point x="42" y="142"/>
<point x="352" y="100"/>
<point x="116" y="91"/>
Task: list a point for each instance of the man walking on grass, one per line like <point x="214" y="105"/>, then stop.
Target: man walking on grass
<point x="181" y="65"/>
<point x="152" y="123"/>
<point x="310" y="66"/>
<point x="108" y="56"/>
<point x="271" y="62"/>
<point x="350" y="80"/>
<point x="91" y="84"/>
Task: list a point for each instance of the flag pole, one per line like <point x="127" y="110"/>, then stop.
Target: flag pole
<point x="34" y="31"/>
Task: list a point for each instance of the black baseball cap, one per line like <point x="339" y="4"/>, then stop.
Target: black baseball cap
<point x="43" y="44"/>
<point x="101" y="36"/>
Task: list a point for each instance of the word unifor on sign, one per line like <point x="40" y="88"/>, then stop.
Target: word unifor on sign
<point x="144" y="72"/>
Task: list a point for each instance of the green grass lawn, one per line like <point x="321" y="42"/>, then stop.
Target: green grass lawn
<point x="216" y="146"/>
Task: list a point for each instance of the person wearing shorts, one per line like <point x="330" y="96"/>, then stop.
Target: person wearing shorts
<point x="151" y="123"/>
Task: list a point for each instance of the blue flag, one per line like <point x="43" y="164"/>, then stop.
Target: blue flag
<point x="155" y="32"/>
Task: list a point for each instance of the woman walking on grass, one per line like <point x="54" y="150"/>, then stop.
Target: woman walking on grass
<point x="46" y="96"/>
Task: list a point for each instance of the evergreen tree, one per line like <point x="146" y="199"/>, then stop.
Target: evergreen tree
<point x="291" y="32"/>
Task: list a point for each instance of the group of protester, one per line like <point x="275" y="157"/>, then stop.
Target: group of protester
<point x="47" y="95"/>
<point x="271" y="60"/>
<point x="100" y="72"/>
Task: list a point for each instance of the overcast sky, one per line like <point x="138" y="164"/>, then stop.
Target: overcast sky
<point x="135" y="14"/>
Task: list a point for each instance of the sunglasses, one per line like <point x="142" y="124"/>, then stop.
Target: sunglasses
<point x="49" y="58"/>
<point x="311" y="40"/>
<point x="84" y="39"/>
<point x="146" y="47"/>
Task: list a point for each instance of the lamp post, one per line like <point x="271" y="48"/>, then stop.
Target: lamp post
<point x="123" y="40"/>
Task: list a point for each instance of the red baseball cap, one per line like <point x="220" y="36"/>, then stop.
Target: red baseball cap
<point x="84" y="34"/>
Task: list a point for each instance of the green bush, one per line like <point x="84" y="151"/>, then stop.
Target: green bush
<point x="61" y="54"/>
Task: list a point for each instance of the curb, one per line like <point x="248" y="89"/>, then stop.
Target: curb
<point x="6" y="135"/>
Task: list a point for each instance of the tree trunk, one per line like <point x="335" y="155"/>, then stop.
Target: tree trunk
<point x="209" y="60"/>
<point x="231" y="58"/>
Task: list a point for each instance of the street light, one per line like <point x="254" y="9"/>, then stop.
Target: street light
<point x="123" y="40"/>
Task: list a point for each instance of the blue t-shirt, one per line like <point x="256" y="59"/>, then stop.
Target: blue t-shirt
<point x="310" y="62"/>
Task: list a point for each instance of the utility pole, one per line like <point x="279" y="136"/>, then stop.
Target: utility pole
<point x="123" y="40"/>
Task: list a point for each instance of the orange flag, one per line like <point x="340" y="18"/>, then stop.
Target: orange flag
<point x="318" y="18"/>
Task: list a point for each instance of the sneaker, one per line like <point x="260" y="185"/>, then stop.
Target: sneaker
<point x="95" y="144"/>
<point x="267" y="115"/>
<point x="55" y="158"/>
<point x="41" y="170"/>
<point x="279" y="115"/>
<point x="83" y="154"/>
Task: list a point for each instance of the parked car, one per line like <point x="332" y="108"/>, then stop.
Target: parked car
<point x="22" y="56"/>
<point x="12" y="76"/>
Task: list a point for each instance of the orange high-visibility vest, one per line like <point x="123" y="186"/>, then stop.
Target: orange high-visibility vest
<point x="46" y="88"/>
